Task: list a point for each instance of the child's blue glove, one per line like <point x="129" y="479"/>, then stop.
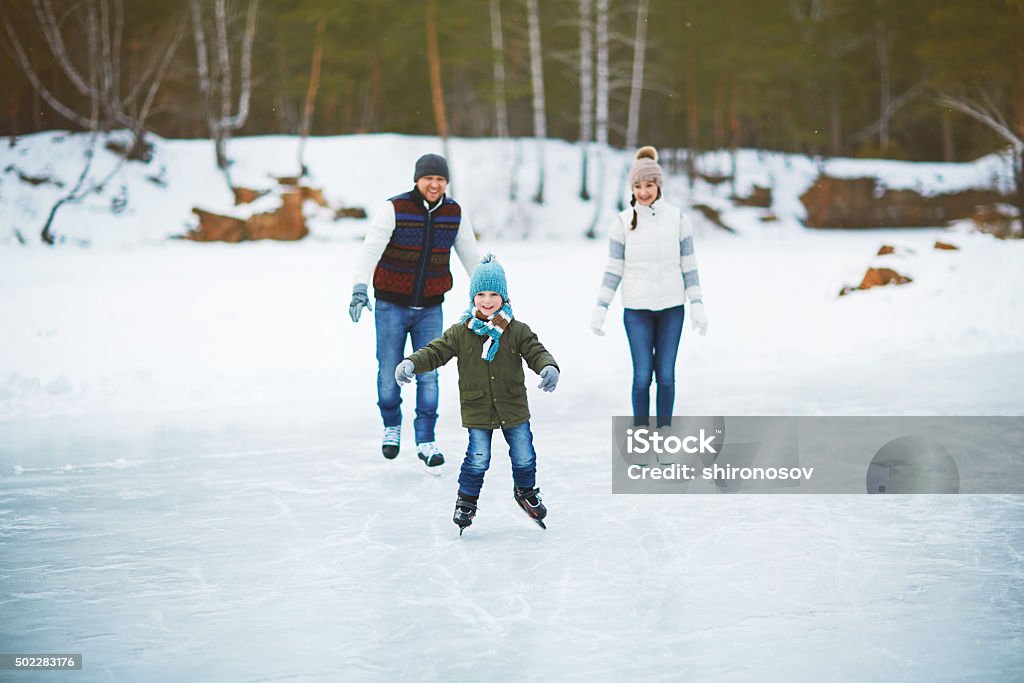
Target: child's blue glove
<point x="548" y="378"/>
<point x="404" y="372"/>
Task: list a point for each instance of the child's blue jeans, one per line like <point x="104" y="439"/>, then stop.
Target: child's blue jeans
<point x="478" y="458"/>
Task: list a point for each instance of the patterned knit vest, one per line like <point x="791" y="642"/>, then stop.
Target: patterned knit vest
<point x="414" y="269"/>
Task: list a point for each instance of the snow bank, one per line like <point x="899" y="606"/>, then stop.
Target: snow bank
<point x="148" y="203"/>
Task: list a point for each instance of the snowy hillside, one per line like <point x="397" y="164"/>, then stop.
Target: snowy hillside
<point x="362" y="170"/>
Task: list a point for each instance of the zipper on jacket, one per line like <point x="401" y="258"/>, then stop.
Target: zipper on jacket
<point x="419" y="283"/>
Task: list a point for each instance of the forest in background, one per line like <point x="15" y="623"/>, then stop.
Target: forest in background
<point x="907" y="79"/>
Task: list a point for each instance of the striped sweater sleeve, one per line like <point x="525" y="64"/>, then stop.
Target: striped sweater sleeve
<point x="688" y="261"/>
<point x="615" y="265"/>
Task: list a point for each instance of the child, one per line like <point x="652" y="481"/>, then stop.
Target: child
<point x="491" y="347"/>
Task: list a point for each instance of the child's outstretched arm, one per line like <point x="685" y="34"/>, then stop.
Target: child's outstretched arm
<point x="533" y="352"/>
<point x="538" y="359"/>
<point x="436" y="353"/>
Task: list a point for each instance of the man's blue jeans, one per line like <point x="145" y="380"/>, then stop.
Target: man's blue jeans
<point x="478" y="458"/>
<point x="395" y="324"/>
<point x="653" y="343"/>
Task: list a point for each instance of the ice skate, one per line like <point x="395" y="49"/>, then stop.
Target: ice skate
<point x="391" y="441"/>
<point x="465" y="511"/>
<point x="529" y="500"/>
<point x="431" y="456"/>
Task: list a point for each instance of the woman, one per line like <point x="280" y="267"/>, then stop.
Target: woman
<point x="650" y="252"/>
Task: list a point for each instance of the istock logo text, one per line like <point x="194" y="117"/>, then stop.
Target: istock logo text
<point x="643" y="441"/>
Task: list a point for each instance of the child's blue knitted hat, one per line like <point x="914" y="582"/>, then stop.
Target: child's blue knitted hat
<point x="488" y="276"/>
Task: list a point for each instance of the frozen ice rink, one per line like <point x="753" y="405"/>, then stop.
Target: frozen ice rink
<point x="277" y="545"/>
<point x="191" y="486"/>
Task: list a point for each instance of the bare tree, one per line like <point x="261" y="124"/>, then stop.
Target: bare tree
<point x="825" y="16"/>
<point x="436" y="89"/>
<point x="996" y="116"/>
<point x="586" y="89"/>
<point x="948" y="153"/>
<point x="892" y="105"/>
<point x="314" y="85"/>
<point x="215" y="84"/>
<point x="498" y="60"/>
<point x="637" y="83"/>
<point x="101" y="21"/>
<point x="733" y="116"/>
<point x="75" y="194"/>
<point x="540" y="130"/>
<point x="94" y="70"/>
<point x="81" y="187"/>
<point x="500" y="99"/>
<point x="692" y="121"/>
<point x="601" y="105"/>
<point x="601" y="109"/>
<point x="84" y="186"/>
<point x="887" y="104"/>
<point x="885" y="81"/>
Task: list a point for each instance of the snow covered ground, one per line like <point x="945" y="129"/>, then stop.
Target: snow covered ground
<point x="191" y="486"/>
<point x="185" y="325"/>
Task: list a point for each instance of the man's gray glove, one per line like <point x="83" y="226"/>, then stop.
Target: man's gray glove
<point x="548" y="378"/>
<point x="360" y="300"/>
<point x="404" y="372"/>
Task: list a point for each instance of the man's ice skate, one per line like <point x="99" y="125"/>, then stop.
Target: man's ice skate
<point x="391" y="441"/>
<point x="529" y="500"/>
<point x="431" y="456"/>
<point x="465" y="511"/>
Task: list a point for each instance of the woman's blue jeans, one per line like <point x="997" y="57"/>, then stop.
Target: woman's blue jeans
<point x="478" y="458"/>
<point x="395" y="324"/>
<point x="653" y="344"/>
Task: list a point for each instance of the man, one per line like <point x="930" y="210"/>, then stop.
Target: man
<point x="407" y="250"/>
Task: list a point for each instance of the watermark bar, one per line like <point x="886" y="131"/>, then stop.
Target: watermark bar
<point x="40" y="662"/>
<point x="845" y="455"/>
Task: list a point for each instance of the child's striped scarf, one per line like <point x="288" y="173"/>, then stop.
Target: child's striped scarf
<point x="488" y="327"/>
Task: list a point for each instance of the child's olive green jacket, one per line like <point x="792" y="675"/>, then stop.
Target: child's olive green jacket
<point x="493" y="394"/>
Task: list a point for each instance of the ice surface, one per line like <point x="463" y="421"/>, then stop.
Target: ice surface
<point x="276" y="544"/>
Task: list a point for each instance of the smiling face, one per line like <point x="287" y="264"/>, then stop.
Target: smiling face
<point x="645" y="191"/>
<point x="488" y="303"/>
<point x="432" y="187"/>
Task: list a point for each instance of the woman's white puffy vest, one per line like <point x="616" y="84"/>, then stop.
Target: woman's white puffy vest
<point x="652" y="278"/>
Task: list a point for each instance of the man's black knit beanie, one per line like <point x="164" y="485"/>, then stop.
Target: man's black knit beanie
<point x="431" y="164"/>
